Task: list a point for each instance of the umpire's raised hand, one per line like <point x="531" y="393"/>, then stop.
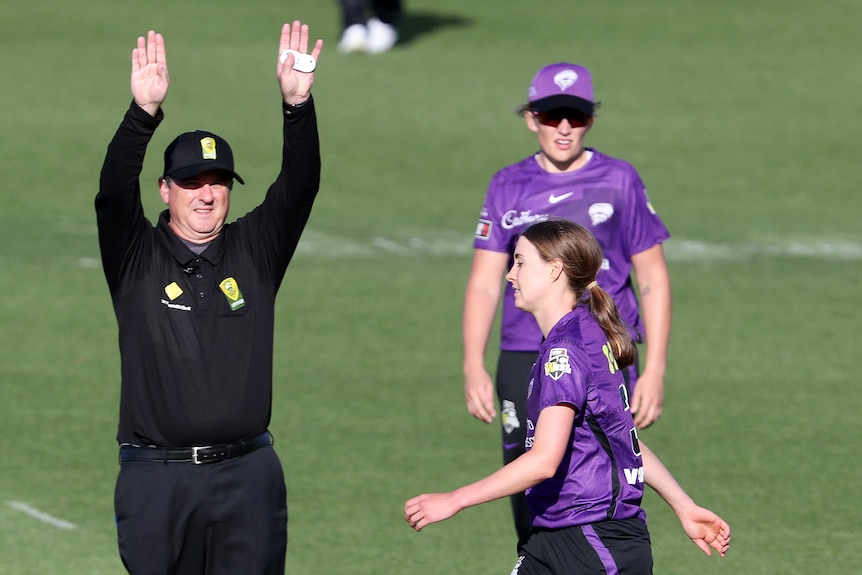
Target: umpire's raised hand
<point x="150" y="72"/>
<point x="295" y="85"/>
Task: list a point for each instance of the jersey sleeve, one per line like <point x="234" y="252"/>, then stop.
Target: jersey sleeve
<point x="489" y="234"/>
<point x="643" y="226"/>
<point x="563" y="375"/>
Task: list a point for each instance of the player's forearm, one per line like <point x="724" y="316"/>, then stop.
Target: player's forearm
<point x="516" y="477"/>
<point x="656" y="307"/>
<point x="480" y="307"/>
<point x="657" y="476"/>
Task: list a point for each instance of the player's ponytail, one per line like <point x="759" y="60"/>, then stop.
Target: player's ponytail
<point x="582" y="257"/>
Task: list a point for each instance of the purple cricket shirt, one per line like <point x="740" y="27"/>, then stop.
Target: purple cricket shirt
<point x="606" y="196"/>
<point x="601" y="475"/>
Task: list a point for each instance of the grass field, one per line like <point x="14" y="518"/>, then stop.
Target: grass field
<point x="742" y="117"/>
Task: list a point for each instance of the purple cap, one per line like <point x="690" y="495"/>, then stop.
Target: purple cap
<point x="562" y="85"/>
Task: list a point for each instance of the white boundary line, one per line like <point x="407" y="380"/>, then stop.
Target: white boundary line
<point x="316" y="244"/>
<point x="41" y="515"/>
<point x="449" y="244"/>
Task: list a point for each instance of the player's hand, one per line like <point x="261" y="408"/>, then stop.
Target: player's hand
<point x="150" y="79"/>
<point x="295" y="85"/>
<point x="648" y="399"/>
<point x="706" y="529"/>
<point x="479" y="395"/>
<point x="429" y="508"/>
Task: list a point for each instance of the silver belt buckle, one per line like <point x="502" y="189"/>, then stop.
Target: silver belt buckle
<point x="195" y="450"/>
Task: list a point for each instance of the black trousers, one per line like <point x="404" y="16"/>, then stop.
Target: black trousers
<point x="513" y="377"/>
<point x="223" y="518"/>
<point x="354" y="11"/>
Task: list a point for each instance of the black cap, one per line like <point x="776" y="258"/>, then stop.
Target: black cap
<point x="196" y="152"/>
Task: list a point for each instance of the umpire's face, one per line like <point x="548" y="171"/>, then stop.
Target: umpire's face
<point x="198" y="206"/>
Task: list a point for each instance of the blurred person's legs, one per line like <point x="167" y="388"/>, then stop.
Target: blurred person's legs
<point x="363" y="34"/>
<point x="355" y="34"/>
<point x="382" y="33"/>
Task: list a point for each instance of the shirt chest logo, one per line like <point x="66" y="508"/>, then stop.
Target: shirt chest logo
<point x="230" y="289"/>
<point x="600" y="212"/>
<point x="173" y="291"/>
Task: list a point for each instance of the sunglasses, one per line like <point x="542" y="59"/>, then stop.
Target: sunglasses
<point x="576" y="118"/>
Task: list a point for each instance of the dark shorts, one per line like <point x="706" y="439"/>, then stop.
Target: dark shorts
<point x="606" y="548"/>
<point x="217" y="518"/>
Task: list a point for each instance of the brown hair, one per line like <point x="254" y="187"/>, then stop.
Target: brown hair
<point x="582" y="257"/>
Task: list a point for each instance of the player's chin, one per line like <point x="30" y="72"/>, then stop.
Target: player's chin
<point x="520" y="303"/>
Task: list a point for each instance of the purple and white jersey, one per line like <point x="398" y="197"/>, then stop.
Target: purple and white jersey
<point x="606" y="196"/>
<point x="601" y="475"/>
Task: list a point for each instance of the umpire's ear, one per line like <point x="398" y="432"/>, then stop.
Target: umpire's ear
<point x="165" y="188"/>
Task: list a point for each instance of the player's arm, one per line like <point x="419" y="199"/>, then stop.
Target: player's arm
<point x="481" y="299"/>
<point x="704" y="528"/>
<point x="654" y="291"/>
<point x="553" y="431"/>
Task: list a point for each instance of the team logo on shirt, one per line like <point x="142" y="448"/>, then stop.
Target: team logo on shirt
<point x="600" y="212"/>
<point x="231" y="291"/>
<point x="558" y="363"/>
<point x="483" y="229"/>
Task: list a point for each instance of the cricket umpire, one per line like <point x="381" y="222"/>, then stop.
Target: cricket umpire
<point x="200" y="488"/>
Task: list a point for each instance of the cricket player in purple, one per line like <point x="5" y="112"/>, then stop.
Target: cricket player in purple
<point x="568" y="180"/>
<point x="584" y="468"/>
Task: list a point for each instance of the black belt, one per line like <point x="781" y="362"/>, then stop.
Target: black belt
<point x="197" y="455"/>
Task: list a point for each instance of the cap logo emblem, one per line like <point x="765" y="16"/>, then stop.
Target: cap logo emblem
<point x="208" y="148"/>
<point x="565" y="79"/>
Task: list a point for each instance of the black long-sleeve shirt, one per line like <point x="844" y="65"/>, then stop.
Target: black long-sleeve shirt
<point x="196" y="332"/>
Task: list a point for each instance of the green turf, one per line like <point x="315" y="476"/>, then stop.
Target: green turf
<point x="741" y="117"/>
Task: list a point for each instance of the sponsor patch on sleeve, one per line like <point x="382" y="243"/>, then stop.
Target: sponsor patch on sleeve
<point x="483" y="229"/>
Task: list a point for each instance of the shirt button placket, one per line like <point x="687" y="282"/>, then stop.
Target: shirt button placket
<point x="199" y="276"/>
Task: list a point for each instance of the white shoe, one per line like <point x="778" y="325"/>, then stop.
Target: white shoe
<point x="381" y="36"/>
<point x="354" y="39"/>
